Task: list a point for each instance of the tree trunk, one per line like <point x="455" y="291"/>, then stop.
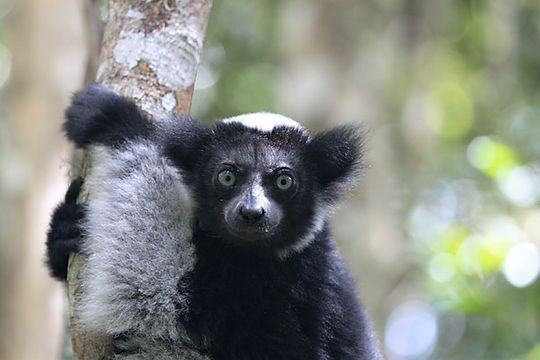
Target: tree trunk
<point x="150" y="53"/>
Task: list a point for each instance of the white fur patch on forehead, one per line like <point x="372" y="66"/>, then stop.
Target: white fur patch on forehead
<point x="263" y="121"/>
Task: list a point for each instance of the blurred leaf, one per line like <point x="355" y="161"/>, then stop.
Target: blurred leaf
<point x="456" y="110"/>
<point x="491" y="156"/>
<point x="534" y="354"/>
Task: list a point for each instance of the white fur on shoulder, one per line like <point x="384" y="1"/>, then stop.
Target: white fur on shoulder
<point x="316" y="226"/>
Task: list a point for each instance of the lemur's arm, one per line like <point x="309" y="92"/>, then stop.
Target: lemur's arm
<point x="64" y="235"/>
<point x="95" y="116"/>
<point x="137" y="224"/>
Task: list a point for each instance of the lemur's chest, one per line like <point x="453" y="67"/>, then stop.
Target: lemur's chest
<point x="252" y="306"/>
<point x="247" y="317"/>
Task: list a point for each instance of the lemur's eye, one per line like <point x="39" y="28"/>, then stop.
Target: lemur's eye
<point x="226" y="178"/>
<point x="284" y="182"/>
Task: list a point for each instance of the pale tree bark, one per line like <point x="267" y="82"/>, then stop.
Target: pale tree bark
<point x="150" y="53"/>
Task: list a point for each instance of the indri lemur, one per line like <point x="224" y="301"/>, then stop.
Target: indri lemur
<point x="210" y="242"/>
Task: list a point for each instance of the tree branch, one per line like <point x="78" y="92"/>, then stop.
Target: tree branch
<point x="150" y="53"/>
<point x="94" y="37"/>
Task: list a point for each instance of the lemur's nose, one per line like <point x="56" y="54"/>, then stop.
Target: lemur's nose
<point x="252" y="215"/>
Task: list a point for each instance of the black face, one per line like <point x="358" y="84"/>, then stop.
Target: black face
<point x="250" y="212"/>
<point x="255" y="190"/>
<point x="260" y="189"/>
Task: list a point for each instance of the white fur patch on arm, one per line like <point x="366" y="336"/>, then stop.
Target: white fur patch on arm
<point x="138" y="237"/>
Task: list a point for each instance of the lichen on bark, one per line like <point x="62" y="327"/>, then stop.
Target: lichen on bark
<point x="154" y="45"/>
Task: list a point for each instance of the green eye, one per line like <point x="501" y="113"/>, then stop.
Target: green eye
<point x="226" y="178"/>
<point x="284" y="182"/>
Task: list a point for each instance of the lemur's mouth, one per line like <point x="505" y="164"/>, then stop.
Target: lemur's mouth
<point x="246" y="229"/>
<point x="251" y="232"/>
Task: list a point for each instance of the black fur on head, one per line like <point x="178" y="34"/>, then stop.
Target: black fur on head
<point x="263" y="189"/>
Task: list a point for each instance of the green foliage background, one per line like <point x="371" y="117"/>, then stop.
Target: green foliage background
<point x="469" y="72"/>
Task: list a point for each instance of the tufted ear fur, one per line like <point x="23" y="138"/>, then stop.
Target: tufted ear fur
<point x="185" y="141"/>
<point x="335" y="156"/>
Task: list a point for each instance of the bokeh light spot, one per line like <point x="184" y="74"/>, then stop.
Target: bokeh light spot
<point x="521" y="186"/>
<point x="522" y="264"/>
<point x="490" y="156"/>
<point x="441" y="267"/>
<point x="456" y="111"/>
<point x="411" y="330"/>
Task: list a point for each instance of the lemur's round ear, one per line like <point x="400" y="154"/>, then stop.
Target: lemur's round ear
<point x="336" y="155"/>
<point x="184" y="141"/>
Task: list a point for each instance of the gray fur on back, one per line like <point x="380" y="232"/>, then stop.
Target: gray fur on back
<point x="149" y="349"/>
<point x="138" y="240"/>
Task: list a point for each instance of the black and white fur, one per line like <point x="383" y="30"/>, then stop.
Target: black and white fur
<point x="177" y="270"/>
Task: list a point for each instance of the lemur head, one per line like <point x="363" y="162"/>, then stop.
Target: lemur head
<point x="261" y="180"/>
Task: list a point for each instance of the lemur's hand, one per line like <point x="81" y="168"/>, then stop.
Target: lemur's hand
<point x="65" y="231"/>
